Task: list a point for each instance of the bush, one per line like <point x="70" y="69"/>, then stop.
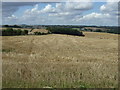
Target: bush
<point x="68" y="31"/>
<point x="7" y="32"/>
<point x="37" y="33"/>
<point x="40" y="33"/>
<point x="98" y="30"/>
<point x="18" y="32"/>
<point x="26" y="32"/>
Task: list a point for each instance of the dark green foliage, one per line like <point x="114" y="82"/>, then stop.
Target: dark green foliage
<point x="11" y="32"/>
<point x="68" y="31"/>
<point x="40" y="33"/>
<point x="5" y="25"/>
<point x="37" y="33"/>
<point x="7" y="50"/>
<point x="12" y="26"/>
<point x="18" y="32"/>
<point x="115" y="31"/>
<point x="8" y="31"/>
<point x="105" y="29"/>
<point x="24" y="32"/>
<point x="0" y="32"/>
<point x="49" y="32"/>
<point x="98" y="30"/>
<point x="31" y="29"/>
<point x="16" y="26"/>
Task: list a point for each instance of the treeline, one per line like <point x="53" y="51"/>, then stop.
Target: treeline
<point x="13" y="32"/>
<point x="114" y="30"/>
<point x="51" y="30"/>
<point x="68" y="31"/>
<point x="12" y="26"/>
<point x="109" y="31"/>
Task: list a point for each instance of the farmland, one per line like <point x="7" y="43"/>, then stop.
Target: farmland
<point x="60" y="61"/>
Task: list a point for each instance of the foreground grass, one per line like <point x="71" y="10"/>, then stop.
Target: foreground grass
<point x="60" y="61"/>
<point x="45" y="84"/>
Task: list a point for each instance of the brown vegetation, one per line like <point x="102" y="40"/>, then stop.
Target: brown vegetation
<point x="60" y="61"/>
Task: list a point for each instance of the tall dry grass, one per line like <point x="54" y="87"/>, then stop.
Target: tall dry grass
<point x="61" y="61"/>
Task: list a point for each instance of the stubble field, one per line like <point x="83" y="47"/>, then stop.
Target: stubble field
<point x="60" y="61"/>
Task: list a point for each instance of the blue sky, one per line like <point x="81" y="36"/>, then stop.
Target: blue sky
<point x="72" y="13"/>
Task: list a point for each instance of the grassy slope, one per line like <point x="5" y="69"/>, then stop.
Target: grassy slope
<point x="60" y="60"/>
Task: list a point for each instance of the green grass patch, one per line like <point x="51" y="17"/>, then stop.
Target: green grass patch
<point x="7" y="50"/>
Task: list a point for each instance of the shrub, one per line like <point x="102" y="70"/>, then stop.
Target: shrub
<point x="40" y="33"/>
<point x="98" y="30"/>
<point x="7" y="32"/>
<point x="26" y="32"/>
<point x="18" y="32"/>
<point x="37" y="33"/>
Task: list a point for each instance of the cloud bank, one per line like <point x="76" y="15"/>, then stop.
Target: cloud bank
<point x="62" y="13"/>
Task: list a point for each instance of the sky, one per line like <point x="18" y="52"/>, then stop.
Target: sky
<point x="61" y="13"/>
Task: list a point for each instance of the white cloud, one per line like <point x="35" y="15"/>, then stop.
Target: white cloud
<point x="12" y="17"/>
<point x="110" y="7"/>
<point x="102" y="8"/>
<point x="96" y="15"/>
<point x="48" y="8"/>
<point x="70" y="9"/>
<point x="112" y="0"/>
<point x="79" y="5"/>
<point x="61" y="14"/>
<point x="10" y="20"/>
<point x="33" y="11"/>
<point x="35" y="8"/>
<point x="97" y="19"/>
<point x="59" y="5"/>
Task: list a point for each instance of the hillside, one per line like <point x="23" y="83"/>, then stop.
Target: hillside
<point x="60" y="60"/>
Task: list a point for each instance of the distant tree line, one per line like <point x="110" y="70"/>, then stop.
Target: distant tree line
<point x="12" y="26"/>
<point x="13" y="32"/>
<point x="68" y="31"/>
<point x="113" y="30"/>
